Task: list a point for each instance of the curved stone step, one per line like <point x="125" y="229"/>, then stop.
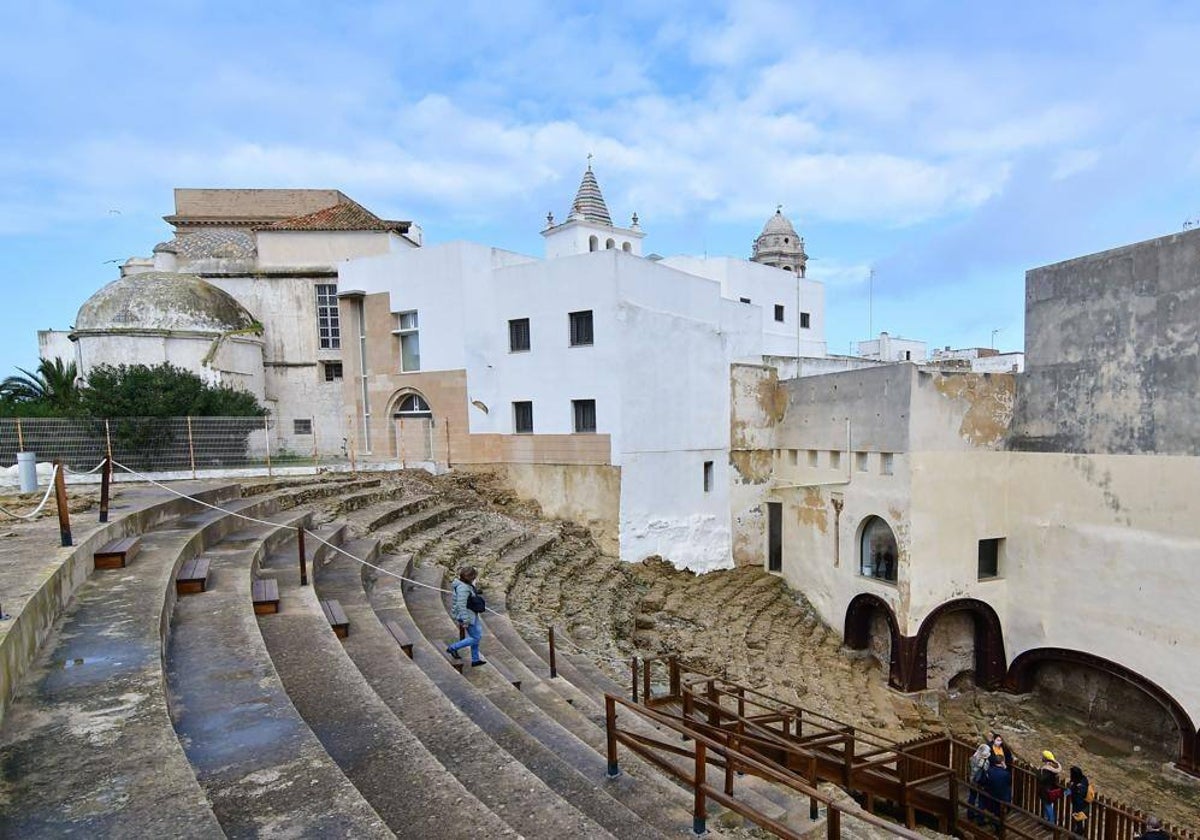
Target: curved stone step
<point x="251" y="750"/>
<point x="387" y="764"/>
<point x="587" y="790"/>
<point x="542" y="715"/>
<point x="88" y="746"/>
<point x="513" y="792"/>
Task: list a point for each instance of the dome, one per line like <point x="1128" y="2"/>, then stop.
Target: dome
<point x="778" y="224"/>
<point x="160" y="300"/>
<point x="218" y="244"/>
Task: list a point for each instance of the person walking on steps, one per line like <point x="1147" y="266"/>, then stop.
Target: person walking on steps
<point x="465" y="607"/>
<point x="1079" y="789"/>
<point x="1049" y="785"/>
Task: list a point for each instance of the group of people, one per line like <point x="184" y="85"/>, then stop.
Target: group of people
<point x="991" y="769"/>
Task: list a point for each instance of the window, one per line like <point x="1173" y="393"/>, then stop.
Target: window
<point x="609" y="244"/>
<point x="860" y="460"/>
<point x="793" y="455"/>
<point x="835" y="459"/>
<point x="886" y="463"/>
<point x="412" y="407"/>
<point x="593" y="243"/>
<point x="329" y="330"/>
<point x="518" y="335"/>
<point x="581" y="328"/>
<point x="585" y="415"/>
<point x="708" y="476"/>
<point x="877" y="552"/>
<point x="744" y="300"/>
<point x="803" y="320"/>
<point x="410" y="343"/>
<point x="332" y="371"/>
<point x="989" y="557"/>
<point x="626" y="247"/>
<point x="779" y="312"/>
<point x="523" y="417"/>
<point x="812" y="457"/>
<point x="302" y="426"/>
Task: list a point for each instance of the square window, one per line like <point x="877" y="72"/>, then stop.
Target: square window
<point x="860" y="459"/>
<point x="804" y="317"/>
<point x="779" y="312"/>
<point x="585" y="415"/>
<point x="835" y="459"/>
<point x="518" y="335"/>
<point x="302" y="426"/>
<point x="812" y="457"/>
<point x="333" y="371"/>
<point x="581" y="328"/>
<point x="991" y="552"/>
<point x="406" y="320"/>
<point x="708" y="476"/>
<point x="792" y="455"/>
<point x="885" y="463"/>
<point x="523" y="417"/>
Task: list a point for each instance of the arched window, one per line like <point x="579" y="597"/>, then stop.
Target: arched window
<point x="412" y="407"/>
<point x="626" y="247"/>
<point x="593" y="243"/>
<point x="609" y="245"/>
<point x="877" y="555"/>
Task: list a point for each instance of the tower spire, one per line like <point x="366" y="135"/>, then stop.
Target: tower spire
<point x="589" y="202"/>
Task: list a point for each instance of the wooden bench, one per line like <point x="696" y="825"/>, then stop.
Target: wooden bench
<point x="118" y="553"/>
<point x="398" y="635"/>
<point x="192" y="577"/>
<point x="265" y="592"/>
<point x="337" y="618"/>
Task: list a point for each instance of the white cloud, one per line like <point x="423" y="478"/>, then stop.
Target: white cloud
<point x="1074" y="162"/>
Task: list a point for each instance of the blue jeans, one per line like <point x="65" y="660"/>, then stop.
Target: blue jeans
<point x="1048" y="811"/>
<point x="474" y="634"/>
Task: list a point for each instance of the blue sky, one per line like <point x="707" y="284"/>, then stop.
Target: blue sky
<point x="949" y="146"/>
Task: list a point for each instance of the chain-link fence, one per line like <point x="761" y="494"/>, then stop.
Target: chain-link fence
<point x="153" y="444"/>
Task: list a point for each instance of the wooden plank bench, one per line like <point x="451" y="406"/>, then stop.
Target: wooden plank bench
<point x="337" y="618"/>
<point x="265" y="592"/>
<point x="192" y="577"/>
<point x="118" y="553"/>
<point x="401" y="639"/>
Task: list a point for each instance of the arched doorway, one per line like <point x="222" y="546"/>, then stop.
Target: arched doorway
<point x="878" y="555"/>
<point x="871" y="625"/>
<point x="1023" y="677"/>
<point x="412" y="427"/>
<point x="976" y="618"/>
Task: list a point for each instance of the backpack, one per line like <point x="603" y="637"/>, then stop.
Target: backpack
<point x="476" y="604"/>
<point x="1090" y="796"/>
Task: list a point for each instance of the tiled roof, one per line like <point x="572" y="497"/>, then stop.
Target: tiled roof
<point x="589" y="202"/>
<point x="346" y="215"/>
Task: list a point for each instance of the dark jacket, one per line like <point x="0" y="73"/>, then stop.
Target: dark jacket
<point x="999" y="782"/>
<point x="1049" y="779"/>
<point x="1078" y="789"/>
<point x="1154" y="834"/>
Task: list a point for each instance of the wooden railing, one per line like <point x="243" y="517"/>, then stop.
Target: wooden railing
<point x="927" y="774"/>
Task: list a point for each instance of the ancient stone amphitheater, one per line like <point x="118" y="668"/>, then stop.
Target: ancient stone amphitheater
<point x="134" y="709"/>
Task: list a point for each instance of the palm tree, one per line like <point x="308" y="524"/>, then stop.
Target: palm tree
<point x="54" y="384"/>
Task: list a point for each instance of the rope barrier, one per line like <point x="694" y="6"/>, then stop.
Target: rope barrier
<point x="38" y="509"/>
<point x="87" y="472"/>
<point x="358" y="560"/>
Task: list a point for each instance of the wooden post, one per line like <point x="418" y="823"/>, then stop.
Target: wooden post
<point x="813" y="808"/>
<point x="105" y="481"/>
<point x="448" y="464"/>
<point x="108" y="439"/>
<point x="952" y="821"/>
<point x="20" y="437"/>
<point x="699" y="810"/>
<point x="191" y="447"/>
<point x="60" y="498"/>
<point x="300" y="551"/>
<point x="634" y="681"/>
<point x="610" y="733"/>
<point x="673" y="664"/>
<point x="553" y="661"/>
<point x="647" y="666"/>
<point x="833" y="823"/>
<point x="267" y="439"/>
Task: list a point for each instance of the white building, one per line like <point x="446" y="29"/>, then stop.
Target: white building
<point x="981" y="359"/>
<point x="889" y="348"/>
<point x="598" y="379"/>
<point x="245" y="295"/>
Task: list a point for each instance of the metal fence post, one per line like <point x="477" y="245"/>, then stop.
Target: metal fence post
<point x="267" y="440"/>
<point x="300" y="551"/>
<point x="634" y="671"/>
<point x="191" y="447"/>
<point x="60" y="498"/>
<point x="108" y="439"/>
<point x="20" y="437"/>
<point x="553" y="661"/>
<point x="610" y="733"/>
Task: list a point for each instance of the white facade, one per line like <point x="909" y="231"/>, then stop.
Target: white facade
<point x="888" y="348"/>
<point x="982" y="359"/>
<point x="664" y="334"/>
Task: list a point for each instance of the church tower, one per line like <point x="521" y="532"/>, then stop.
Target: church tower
<point x="589" y="227"/>
<point x="779" y="246"/>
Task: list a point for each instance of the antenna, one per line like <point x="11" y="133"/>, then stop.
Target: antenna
<point x="998" y="329"/>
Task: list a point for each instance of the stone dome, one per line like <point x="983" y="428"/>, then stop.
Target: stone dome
<point x="160" y="300"/>
<point x="778" y="224"/>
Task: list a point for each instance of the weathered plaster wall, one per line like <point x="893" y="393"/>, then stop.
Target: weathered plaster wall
<point x="1112" y="344"/>
<point x="757" y="404"/>
<point x="951" y="649"/>
<point x="588" y="495"/>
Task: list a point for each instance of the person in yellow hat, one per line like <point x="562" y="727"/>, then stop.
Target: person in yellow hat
<point x="1049" y="783"/>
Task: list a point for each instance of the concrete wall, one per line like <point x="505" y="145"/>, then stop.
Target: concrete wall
<point x="1112" y="343"/>
<point x="290" y="248"/>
